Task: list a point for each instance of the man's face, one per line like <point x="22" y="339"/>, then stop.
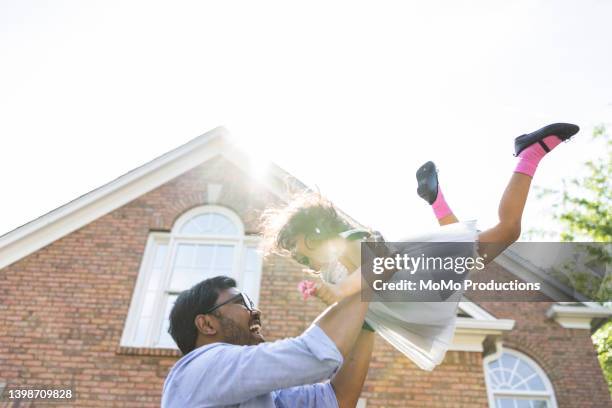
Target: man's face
<point x="238" y="325"/>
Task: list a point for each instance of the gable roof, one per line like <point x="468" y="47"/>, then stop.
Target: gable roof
<point x="575" y="303"/>
<point x="77" y="213"/>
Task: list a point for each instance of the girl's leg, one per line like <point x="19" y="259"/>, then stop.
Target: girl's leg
<point x="495" y="240"/>
<point x="449" y="219"/>
<point x="429" y="190"/>
<point x="531" y="149"/>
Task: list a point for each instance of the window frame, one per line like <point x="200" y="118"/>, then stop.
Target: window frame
<point x="549" y="394"/>
<point x="241" y="242"/>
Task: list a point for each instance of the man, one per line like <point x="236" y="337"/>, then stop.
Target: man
<point x="226" y="361"/>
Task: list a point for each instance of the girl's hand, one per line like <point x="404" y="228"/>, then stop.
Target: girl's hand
<point x="328" y="293"/>
<point x="307" y="288"/>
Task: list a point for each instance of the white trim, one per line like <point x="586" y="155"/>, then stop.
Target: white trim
<point x="576" y="317"/>
<point x="470" y="334"/>
<point x="206" y="209"/>
<point x="543" y="376"/>
<point x="93" y="205"/>
<point x="497" y="325"/>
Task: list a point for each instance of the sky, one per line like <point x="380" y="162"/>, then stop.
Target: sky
<point x="350" y="97"/>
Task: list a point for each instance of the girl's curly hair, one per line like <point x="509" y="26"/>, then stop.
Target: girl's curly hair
<point x="307" y="213"/>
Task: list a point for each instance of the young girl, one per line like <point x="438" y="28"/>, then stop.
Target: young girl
<point x="311" y="231"/>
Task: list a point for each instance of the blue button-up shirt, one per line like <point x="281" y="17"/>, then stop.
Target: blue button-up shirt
<point x="284" y="373"/>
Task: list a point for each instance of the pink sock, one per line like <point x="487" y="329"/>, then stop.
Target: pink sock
<point x="440" y="208"/>
<point x="531" y="156"/>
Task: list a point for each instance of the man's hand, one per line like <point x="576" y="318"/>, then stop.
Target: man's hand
<point x="327" y="292"/>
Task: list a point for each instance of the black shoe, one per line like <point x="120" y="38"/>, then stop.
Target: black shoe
<point x="562" y="130"/>
<point x="427" y="177"/>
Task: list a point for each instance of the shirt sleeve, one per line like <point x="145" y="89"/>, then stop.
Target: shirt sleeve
<point x="230" y="374"/>
<point x="307" y="396"/>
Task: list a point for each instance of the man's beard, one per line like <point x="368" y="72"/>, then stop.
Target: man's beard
<point x="234" y="334"/>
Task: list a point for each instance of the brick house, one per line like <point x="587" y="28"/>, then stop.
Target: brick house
<point x="85" y="292"/>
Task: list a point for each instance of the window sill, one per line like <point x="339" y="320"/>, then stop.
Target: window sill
<point x="148" y="351"/>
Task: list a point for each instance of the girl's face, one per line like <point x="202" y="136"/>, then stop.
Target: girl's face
<point x="316" y="254"/>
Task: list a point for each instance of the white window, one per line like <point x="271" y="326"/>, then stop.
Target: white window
<point x="204" y="242"/>
<point x="516" y="381"/>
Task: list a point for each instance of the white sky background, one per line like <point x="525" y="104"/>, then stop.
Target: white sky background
<point x="350" y="96"/>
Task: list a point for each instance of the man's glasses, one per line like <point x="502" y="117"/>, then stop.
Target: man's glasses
<point x="243" y="297"/>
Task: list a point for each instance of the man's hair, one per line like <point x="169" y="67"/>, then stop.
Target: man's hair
<point x="309" y="214"/>
<point x="191" y="303"/>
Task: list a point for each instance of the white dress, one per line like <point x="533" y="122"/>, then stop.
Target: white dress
<point x="422" y="331"/>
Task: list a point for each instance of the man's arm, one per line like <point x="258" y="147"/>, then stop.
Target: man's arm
<point x="320" y="395"/>
<point x="229" y="374"/>
<point x="342" y="322"/>
<point x="348" y="382"/>
<point x="344" y="389"/>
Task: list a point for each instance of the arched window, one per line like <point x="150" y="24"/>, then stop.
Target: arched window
<point x="516" y="381"/>
<point x="204" y="242"/>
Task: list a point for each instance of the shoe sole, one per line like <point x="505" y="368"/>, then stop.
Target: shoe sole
<point x="563" y="131"/>
<point x="422" y="175"/>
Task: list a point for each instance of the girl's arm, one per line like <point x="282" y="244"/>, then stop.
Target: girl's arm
<point x="331" y="293"/>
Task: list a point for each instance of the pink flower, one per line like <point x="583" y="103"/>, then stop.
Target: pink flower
<point x="307" y="288"/>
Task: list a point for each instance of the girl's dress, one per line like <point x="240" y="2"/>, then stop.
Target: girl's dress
<point x="422" y="331"/>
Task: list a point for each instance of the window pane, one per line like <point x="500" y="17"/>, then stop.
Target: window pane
<point x="205" y="255"/>
<point x="142" y="329"/>
<point x="210" y="224"/>
<point x="160" y="255"/>
<point x="224" y="257"/>
<point x="252" y="269"/>
<point x="195" y="262"/>
<point x="508" y="361"/>
<point x="521" y="386"/>
<point x="165" y="340"/>
<point x="536" y="384"/>
<point x="147" y="304"/>
<point x="159" y="260"/>
<point x="493" y="381"/>
<point x="184" y="278"/>
<point x="504" y="403"/>
<point x="520" y="403"/>
<point x="185" y="255"/>
<point x="524" y="370"/>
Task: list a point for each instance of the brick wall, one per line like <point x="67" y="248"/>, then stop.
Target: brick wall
<point x="63" y="308"/>
<point x="568" y="356"/>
